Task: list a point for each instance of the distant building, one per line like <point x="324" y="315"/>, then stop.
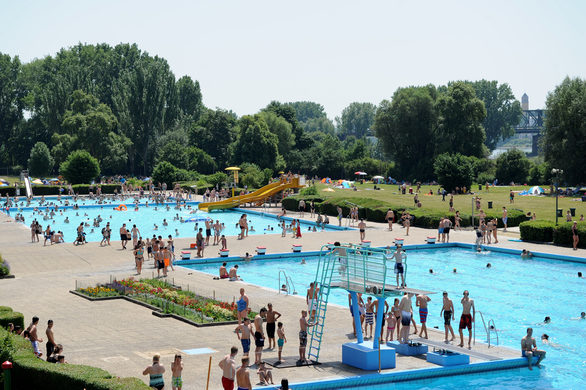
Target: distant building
<point x="525" y="102"/>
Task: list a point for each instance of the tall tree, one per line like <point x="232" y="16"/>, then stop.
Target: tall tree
<point x="255" y="143"/>
<point x="564" y="141"/>
<point x="356" y="120"/>
<point x="288" y="112"/>
<point x="312" y="117"/>
<point x="461" y="115"/>
<point x="405" y="127"/>
<point x="503" y="111"/>
<point x="11" y="103"/>
<point x="189" y="93"/>
<point x="40" y="162"/>
<point x="214" y="133"/>
<point x="282" y="129"/>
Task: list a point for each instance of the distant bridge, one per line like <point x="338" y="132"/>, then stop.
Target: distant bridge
<point x="532" y="123"/>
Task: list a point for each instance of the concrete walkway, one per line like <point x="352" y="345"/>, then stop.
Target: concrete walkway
<point x="121" y="337"/>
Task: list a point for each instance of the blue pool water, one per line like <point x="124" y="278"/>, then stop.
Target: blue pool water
<point x="145" y="219"/>
<point x="515" y="293"/>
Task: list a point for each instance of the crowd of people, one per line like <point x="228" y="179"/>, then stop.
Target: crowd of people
<point x="54" y="350"/>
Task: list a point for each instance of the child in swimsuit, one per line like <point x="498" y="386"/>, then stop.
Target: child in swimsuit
<point x="391" y="322"/>
<point x="282" y="339"/>
<point x="177" y="368"/>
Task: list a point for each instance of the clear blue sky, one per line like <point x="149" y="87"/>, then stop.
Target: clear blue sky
<point x="247" y="53"/>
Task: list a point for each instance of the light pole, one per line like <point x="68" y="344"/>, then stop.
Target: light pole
<point x="556" y="172"/>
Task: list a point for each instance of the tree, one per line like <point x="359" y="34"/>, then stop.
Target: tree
<point x="512" y="166"/>
<point x="40" y="162"/>
<point x="453" y="170"/>
<point x="459" y="128"/>
<point x="405" y="127"/>
<point x="312" y="117"/>
<point x="11" y="104"/>
<point x="503" y="111"/>
<point x="200" y="161"/>
<point x="288" y="112"/>
<point x="255" y="143"/>
<point x="80" y="167"/>
<point x="356" y="120"/>
<point x="282" y="129"/>
<point x="189" y="94"/>
<point x="564" y="140"/>
<point x="165" y="172"/>
<point x="213" y="133"/>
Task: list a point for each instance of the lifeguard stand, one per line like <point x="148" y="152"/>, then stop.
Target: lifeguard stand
<point x="357" y="269"/>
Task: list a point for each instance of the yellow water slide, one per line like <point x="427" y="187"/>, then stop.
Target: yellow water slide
<point x="257" y="197"/>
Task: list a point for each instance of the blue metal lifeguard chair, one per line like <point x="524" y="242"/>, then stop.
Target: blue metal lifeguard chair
<point x="357" y="269"/>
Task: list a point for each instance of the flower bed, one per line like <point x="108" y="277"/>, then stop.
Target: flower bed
<point x="168" y="299"/>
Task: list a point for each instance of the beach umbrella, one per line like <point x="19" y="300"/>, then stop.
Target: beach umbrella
<point x="378" y="177"/>
<point x="327" y="190"/>
<point x="3" y="181"/>
<point x="3" y="184"/>
<point x="54" y="179"/>
<point x="360" y="173"/>
<point x="37" y="181"/>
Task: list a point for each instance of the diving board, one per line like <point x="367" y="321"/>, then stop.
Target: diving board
<point x="455" y="348"/>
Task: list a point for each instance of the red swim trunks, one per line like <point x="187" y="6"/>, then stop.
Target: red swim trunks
<point x="466" y="321"/>
<point x="228" y="384"/>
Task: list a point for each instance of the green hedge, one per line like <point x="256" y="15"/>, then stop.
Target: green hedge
<point x="30" y="372"/>
<point x="11" y="191"/>
<point x="562" y="234"/>
<point x="539" y="231"/>
<point x="8" y="316"/>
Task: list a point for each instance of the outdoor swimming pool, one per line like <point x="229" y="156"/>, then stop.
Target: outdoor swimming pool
<point x="146" y="218"/>
<point x="515" y="293"/>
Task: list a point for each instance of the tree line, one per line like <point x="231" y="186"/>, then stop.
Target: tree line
<point x="130" y="113"/>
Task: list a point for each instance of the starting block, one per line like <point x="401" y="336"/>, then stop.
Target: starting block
<point x="399" y="241"/>
<point x="430" y="240"/>
<point x="185" y="255"/>
<point x="261" y="250"/>
<point x="224" y="252"/>
<point x="297" y="248"/>
<point x="366" y="243"/>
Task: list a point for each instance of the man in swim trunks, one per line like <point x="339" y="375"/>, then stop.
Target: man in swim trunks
<point x="234" y="273"/>
<point x="208" y="223"/>
<point x="246" y="329"/>
<point x="362" y="227"/>
<point x="123" y="236"/>
<point x="33" y="337"/>
<point x="272" y="317"/>
<point x="406" y="314"/>
<point x="529" y="348"/>
<point x="448" y="313"/>
<point x="259" y="335"/>
<point x="303" y="325"/>
<point x="399" y="270"/>
<point x="467" y="319"/>
<point x="368" y="316"/>
<point x="421" y="302"/>
<point x="243" y="376"/>
<point x="505" y="218"/>
<point x="176" y="369"/>
<point x="390" y="218"/>
<point x="228" y="366"/>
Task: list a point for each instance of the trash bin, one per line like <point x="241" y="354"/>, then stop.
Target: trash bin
<point x="480" y="187"/>
<point x="573" y="212"/>
<point x="490" y="204"/>
<point x="560" y="213"/>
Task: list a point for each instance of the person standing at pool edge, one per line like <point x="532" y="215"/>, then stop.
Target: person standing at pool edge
<point x="242" y="306"/>
<point x="421" y="302"/>
<point x="228" y="366"/>
<point x="448" y="313"/>
<point x="272" y="317"/>
<point x="467" y="319"/>
<point x="575" y="236"/>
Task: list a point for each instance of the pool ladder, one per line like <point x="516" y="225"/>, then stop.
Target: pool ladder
<point x="288" y="282"/>
<point x="488" y="329"/>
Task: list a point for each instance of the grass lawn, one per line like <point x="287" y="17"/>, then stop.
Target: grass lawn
<point x="542" y="206"/>
<point x="11" y="179"/>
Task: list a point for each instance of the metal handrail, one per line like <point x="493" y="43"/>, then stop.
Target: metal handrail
<point x="285" y="279"/>
<point x="493" y="328"/>
<point x="487" y="329"/>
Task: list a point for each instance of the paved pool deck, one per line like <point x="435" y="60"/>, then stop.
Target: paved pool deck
<point x="121" y="337"/>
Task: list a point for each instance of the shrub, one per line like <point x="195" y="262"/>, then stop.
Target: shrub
<point x="40" y="162"/>
<point x="539" y="231"/>
<point x="562" y="234"/>
<point x="453" y="170"/>
<point x="30" y="372"/>
<point x="165" y="172"/>
<point x="218" y="178"/>
<point x="512" y="166"/>
<point x="9" y="316"/>
<point x="80" y="167"/>
<point x="311" y="190"/>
